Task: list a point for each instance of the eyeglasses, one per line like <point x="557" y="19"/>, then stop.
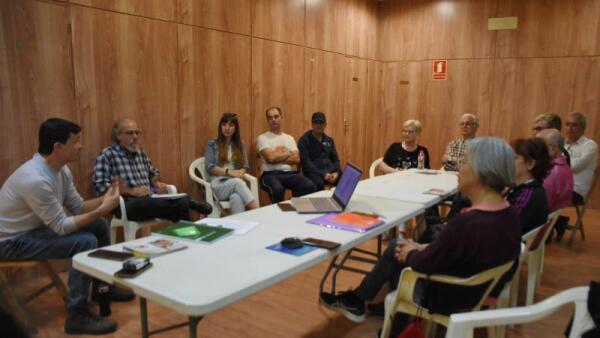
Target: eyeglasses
<point x="406" y="131"/>
<point x="466" y="124"/>
<point x="132" y="132"/>
<point x="537" y="129"/>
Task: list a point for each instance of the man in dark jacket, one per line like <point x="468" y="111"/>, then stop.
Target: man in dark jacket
<point x="318" y="156"/>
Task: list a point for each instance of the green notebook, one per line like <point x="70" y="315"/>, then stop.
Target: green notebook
<point x="195" y="232"/>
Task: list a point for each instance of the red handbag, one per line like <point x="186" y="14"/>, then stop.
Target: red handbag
<point x="413" y="330"/>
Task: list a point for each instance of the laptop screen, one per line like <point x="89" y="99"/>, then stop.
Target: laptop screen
<point x="346" y="185"/>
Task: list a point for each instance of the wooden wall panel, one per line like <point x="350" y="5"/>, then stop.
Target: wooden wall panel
<point x="467" y="90"/>
<point x="159" y="9"/>
<point x="428" y="29"/>
<point x="324" y="91"/>
<point x="277" y="80"/>
<point x="126" y="66"/>
<point x="326" y="24"/>
<point x="214" y="77"/>
<point x="361" y="28"/>
<point x="401" y="99"/>
<point x="280" y="20"/>
<point x="527" y="87"/>
<point x="35" y="77"/>
<point x="230" y="15"/>
<point x="356" y="104"/>
<point x="375" y="120"/>
<point x="550" y="28"/>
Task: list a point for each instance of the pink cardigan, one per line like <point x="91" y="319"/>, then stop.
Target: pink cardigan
<point x="559" y="184"/>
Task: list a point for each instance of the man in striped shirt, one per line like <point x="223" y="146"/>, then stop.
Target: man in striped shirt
<point x="126" y="160"/>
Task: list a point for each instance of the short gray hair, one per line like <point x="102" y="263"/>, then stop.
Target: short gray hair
<point x="471" y="118"/>
<point x="581" y="118"/>
<point x="552" y="136"/>
<point x="413" y="123"/>
<point x="493" y="160"/>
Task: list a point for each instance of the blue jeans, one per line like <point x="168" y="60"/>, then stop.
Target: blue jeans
<point x="43" y="244"/>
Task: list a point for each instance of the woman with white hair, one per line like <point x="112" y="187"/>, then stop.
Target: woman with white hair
<point x="405" y="154"/>
<point x="482" y="237"/>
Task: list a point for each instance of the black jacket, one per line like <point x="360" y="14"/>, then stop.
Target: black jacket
<point x="318" y="156"/>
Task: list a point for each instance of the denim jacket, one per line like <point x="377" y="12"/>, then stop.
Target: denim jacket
<point x="211" y="158"/>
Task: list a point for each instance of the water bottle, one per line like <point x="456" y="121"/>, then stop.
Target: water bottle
<point x="421" y="160"/>
<point x="104" y="299"/>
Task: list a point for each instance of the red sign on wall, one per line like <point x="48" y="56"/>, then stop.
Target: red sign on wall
<point x="440" y="69"/>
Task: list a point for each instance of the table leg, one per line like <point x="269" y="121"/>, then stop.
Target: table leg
<point x="144" y="317"/>
<point x="193" y="325"/>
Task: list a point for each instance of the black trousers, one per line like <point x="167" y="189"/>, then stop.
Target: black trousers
<point x="319" y="181"/>
<point x="140" y="208"/>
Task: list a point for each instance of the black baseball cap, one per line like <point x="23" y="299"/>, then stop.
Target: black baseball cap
<point x="318" y="117"/>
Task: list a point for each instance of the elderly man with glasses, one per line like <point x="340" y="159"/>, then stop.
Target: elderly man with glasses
<point x="139" y="179"/>
<point x="455" y="151"/>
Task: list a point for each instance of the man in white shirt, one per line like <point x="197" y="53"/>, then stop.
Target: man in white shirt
<point x="279" y="153"/>
<point x="584" y="155"/>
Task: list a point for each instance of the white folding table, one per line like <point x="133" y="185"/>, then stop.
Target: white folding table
<point x="410" y="186"/>
<point x="206" y="277"/>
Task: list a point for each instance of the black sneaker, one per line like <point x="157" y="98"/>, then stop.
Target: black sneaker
<point x="115" y="294"/>
<point x="84" y="322"/>
<point x="200" y="207"/>
<point x="347" y="303"/>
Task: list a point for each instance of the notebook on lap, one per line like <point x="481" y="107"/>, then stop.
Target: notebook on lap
<point x="341" y="196"/>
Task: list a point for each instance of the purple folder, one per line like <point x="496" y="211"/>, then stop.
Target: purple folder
<point x="364" y="224"/>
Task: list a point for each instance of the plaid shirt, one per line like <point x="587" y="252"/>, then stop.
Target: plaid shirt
<point x="135" y="168"/>
<point x="456" y="150"/>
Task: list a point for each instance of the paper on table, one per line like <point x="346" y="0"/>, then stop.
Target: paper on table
<point x="239" y="227"/>
<point x="169" y="196"/>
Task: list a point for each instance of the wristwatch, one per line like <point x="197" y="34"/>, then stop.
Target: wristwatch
<point x="227" y="172"/>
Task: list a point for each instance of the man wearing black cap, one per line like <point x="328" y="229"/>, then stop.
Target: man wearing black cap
<point x="318" y="156"/>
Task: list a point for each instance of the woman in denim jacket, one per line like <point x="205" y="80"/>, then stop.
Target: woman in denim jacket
<point x="226" y="163"/>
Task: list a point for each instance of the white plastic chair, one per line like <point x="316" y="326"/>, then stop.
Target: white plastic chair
<point x="535" y="257"/>
<point x="218" y="206"/>
<point x="374" y="166"/>
<point x="461" y="325"/>
<point x="580" y="211"/>
<point x="131" y="227"/>
<point x="401" y="300"/>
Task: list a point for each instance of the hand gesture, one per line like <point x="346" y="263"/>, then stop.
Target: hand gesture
<point x="110" y="200"/>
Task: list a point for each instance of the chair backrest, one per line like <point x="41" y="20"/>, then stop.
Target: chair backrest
<point x="198" y="164"/>
<point x="374" y="166"/>
<point x="490" y="276"/>
<point x="592" y="185"/>
<point x="461" y="324"/>
<point x="545" y="230"/>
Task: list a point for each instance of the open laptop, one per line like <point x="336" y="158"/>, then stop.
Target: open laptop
<point x="341" y="196"/>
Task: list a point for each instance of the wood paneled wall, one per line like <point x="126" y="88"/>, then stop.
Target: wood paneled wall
<point x="548" y="64"/>
<point x="176" y="65"/>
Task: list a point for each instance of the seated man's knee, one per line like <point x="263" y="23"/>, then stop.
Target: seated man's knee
<point x="84" y="241"/>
